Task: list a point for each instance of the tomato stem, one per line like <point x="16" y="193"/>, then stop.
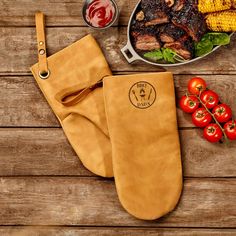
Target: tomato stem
<point x="223" y="131"/>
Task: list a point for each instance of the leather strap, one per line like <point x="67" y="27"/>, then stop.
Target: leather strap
<point x="69" y="98"/>
<point x="41" y="40"/>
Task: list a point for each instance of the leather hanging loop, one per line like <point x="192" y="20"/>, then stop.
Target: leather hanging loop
<point x="41" y="40"/>
<point x="72" y="96"/>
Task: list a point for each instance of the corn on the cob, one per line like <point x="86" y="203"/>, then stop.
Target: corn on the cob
<point x="224" y="21"/>
<point x="206" y="6"/>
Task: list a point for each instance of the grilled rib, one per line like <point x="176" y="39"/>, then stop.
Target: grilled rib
<point x="170" y="3"/>
<point x="144" y="38"/>
<point x="156" y="12"/>
<point x="171" y="33"/>
<point x="147" y="42"/>
<point x="183" y="47"/>
<point x="162" y="5"/>
<point x="156" y="18"/>
<point x="179" y="4"/>
<point x="190" y="20"/>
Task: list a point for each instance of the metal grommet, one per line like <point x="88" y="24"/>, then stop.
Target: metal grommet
<point x="41" y="51"/>
<point x="41" y="43"/>
<point x="44" y="74"/>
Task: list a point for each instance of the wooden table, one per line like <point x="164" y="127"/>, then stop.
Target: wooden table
<point x="45" y="190"/>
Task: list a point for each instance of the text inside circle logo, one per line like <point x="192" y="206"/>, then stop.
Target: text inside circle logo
<point x="142" y="95"/>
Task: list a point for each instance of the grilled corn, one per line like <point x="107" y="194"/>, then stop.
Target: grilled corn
<point x="224" y="21"/>
<point x="206" y="6"/>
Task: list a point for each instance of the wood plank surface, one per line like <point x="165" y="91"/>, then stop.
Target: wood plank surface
<point x="82" y="231"/>
<point x="93" y="201"/>
<point x="58" y="12"/>
<point x="47" y="152"/>
<point x="20" y="51"/>
<point x="44" y="188"/>
<point x="38" y="152"/>
<point x="22" y="103"/>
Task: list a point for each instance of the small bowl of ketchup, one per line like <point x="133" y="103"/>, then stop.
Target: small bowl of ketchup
<point x="100" y="14"/>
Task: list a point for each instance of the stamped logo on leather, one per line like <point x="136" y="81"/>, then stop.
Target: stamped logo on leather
<point x="142" y="95"/>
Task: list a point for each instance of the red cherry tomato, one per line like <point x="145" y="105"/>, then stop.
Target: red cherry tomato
<point x="209" y="98"/>
<point x="230" y="129"/>
<point x="222" y="113"/>
<point x="189" y="103"/>
<point x="201" y="117"/>
<point x="196" y="85"/>
<point x="212" y="133"/>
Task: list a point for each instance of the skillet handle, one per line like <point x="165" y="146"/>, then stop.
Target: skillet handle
<point x="127" y="53"/>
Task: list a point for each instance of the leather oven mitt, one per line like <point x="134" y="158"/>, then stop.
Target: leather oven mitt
<point x="71" y="82"/>
<point x="141" y="117"/>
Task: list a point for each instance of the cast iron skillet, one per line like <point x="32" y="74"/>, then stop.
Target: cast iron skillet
<point x="131" y="55"/>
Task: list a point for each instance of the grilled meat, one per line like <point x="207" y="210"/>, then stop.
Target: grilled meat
<point x="147" y="42"/>
<point x="139" y="27"/>
<point x="144" y="38"/>
<point x="190" y="20"/>
<point x="183" y="47"/>
<point x="170" y="3"/>
<point x="194" y="3"/>
<point x="156" y="18"/>
<point x="156" y="12"/>
<point x="179" y="4"/>
<point x="170" y="33"/>
<point x="173" y="24"/>
<point x="161" y="5"/>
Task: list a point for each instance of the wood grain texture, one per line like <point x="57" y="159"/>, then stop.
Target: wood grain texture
<point x="42" y="181"/>
<point x="47" y="152"/>
<point x="58" y="12"/>
<point x="81" y="231"/>
<point x="38" y="152"/>
<point x="93" y="201"/>
<point x="22" y="103"/>
<point x="20" y="51"/>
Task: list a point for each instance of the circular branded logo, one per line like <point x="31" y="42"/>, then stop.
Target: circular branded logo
<point x="142" y="95"/>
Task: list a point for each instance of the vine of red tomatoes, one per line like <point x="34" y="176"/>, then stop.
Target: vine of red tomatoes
<point x="208" y="112"/>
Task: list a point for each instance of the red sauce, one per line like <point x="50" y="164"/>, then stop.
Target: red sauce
<point x="100" y="13"/>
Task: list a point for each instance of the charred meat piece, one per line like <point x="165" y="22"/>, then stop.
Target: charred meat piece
<point x="146" y="42"/>
<point x="137" y="28"/>
<point x="190" y="20"/>
<point x="179" y="4"/>
<point x="170" y="3"/>
<point x="161" y="5"/>
<point x="194" y="3"/>
<point x="144" y="38"/>
<point x="156" y="18"/>
<point x="183" y="47"/>
<point x="170" y="33"/>
<point x="156" y="12"/>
